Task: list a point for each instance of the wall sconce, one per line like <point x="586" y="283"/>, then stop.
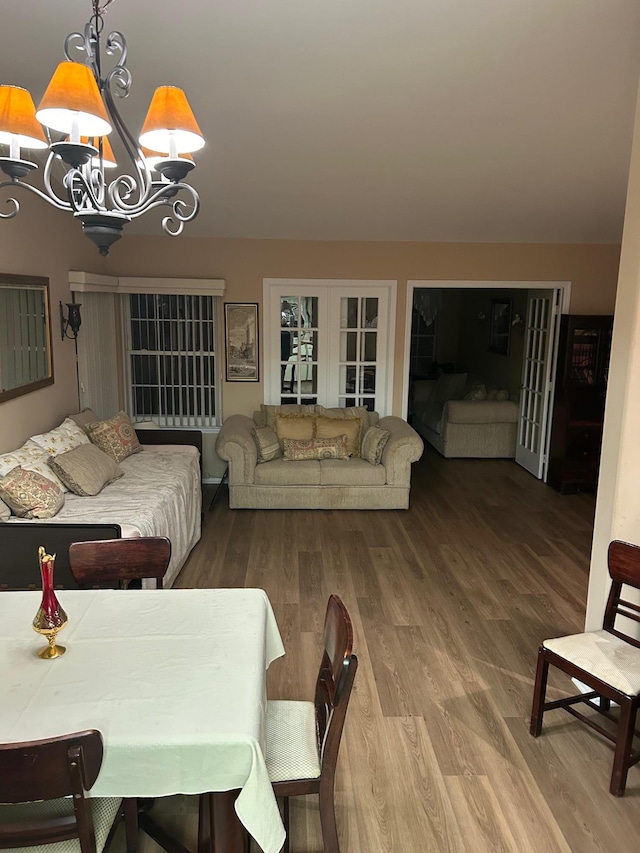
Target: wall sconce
<point x="517" y="320"/>
<point x="72" y="321"/>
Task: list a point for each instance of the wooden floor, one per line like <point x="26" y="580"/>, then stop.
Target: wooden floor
<point x="449" y="601"/>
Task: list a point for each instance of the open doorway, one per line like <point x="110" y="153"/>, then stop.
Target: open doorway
<point x="479" y="367"/>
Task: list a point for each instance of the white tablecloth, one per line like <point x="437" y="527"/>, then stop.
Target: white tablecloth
<point x="174" y="680"/>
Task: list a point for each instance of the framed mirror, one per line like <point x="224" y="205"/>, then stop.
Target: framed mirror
<point x="26" y="362"/>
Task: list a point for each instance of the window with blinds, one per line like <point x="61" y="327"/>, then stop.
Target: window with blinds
<point x="171" y="363"/>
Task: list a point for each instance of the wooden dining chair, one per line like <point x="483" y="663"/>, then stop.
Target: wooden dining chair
<point x="606" y="661"/>
<point x="124" y="560"/>
<point x="303" y="738"/>
<point x="43" y="788"/>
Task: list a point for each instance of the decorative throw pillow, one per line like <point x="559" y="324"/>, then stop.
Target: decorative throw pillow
<point x="267" y="444"/>
<point x="30" y="495"/>
<point x="27" y="454"/>
<point x="373" y="444"/>
<point x="115" y="436"/>
<point x="5" y="511"/>
<point x="316" y="448"/>
<point x="86" y="416"/>
<point x="492" y="393"/>
<point x="270" y="413"/>
<point x="478" y="392"/>
<point x="502" y="395"/>
<point x="42" y="467"/>
<point x="64" y="437"/>
<point x="334" y="427"/>
<point x="86" y="470"/>
<point x="298" y="427"/>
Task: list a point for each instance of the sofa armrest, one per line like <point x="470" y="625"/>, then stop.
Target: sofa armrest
<point x="480" y="412"/>
<point x="404" y="447"/>
<point x="235" y="444"/>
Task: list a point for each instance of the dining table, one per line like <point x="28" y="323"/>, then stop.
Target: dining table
<point x="175" y="680"/>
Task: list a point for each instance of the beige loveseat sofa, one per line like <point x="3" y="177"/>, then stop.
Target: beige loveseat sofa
<point x="456" y="427"/>
<point x="354" y="483"/>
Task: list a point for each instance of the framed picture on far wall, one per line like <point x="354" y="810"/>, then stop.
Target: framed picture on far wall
<point x="241" y="341"/>
<point x="500" y="328"/>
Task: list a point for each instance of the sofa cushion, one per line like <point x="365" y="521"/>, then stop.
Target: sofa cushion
<point x="30" y="495"/>
<point x="115" y="436"/>
<point x="86" y="470"/>
<point x="335" y="427"/>
<point x="64" y="437"/>
<point x="355" y="472"/>
<point x="298" y="427"/>
<point x="316" y="448"/>
<point x="373" y="444"/>
<point x="281" y="472"/>
<point x="477" y="392"/>
<point x="481" y="412"/>
<point x="449" y="386"/>
<point x="267" y="444"/>
<point x="270" y="413"/>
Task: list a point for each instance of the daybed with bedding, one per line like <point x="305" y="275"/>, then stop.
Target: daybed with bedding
<point x="300" y="457"/>
<point x="155" y="490"/>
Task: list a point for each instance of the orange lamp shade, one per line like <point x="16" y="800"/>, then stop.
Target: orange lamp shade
<point x="18" y="121"/>
<point x="153" y="157"/>
<point x="72" y="103"/>
<point x="108" y="157"/>
<point x="170" y="126"/>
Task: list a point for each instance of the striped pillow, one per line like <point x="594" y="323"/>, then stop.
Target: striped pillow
<point x="267" y="444"/>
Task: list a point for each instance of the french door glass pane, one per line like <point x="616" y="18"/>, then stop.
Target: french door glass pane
<point x="298" y="348"/>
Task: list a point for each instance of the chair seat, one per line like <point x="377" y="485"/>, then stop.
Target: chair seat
<point x="291" y="742"/>
<point x="603" y="655"/>
<point x="104" y="810"/>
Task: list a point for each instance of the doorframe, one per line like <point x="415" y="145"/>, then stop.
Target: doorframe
<point x="414" y="284"/>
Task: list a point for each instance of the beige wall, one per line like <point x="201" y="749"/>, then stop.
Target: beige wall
<point x="593" y="271"/>
<point x="618" y="503"/>
<point x="45" y="242"/>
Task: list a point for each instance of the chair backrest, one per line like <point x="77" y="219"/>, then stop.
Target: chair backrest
<point x="335" y="680"/>
<point x="624" y="568"/>
<point x="65" y="766"/>
<point x="105" y="560"/>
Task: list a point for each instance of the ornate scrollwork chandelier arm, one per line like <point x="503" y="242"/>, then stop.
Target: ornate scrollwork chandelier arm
<point x="182" y="211"/>
<point x="62" y="203"/>
<point x="123" y="187"/>
<point x="84" y="194"/>
<point x="53" y="200"/>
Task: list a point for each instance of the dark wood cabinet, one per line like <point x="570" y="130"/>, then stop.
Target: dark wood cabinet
<point x="579" y="398"/>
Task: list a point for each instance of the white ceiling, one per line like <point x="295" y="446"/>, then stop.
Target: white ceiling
<point x="453" y="120"/>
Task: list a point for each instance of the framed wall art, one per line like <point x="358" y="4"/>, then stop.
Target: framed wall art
<point x="241" y="341"/>
<point x="500" y="328"/>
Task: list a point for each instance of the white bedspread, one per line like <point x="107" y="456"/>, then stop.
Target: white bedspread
<point x="158" y="495"/>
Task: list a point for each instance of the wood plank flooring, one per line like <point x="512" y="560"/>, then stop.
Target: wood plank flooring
<point x="449" y="601"/>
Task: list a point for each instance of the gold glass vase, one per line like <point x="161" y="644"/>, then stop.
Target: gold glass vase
<point x="50" y="618"/>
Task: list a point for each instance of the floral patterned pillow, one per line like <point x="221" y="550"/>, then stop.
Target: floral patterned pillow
<point x="64" y="437"/>
<point x="373" y="444"/>
<point x="30" y="495"/>
<point x="115" y="436"/>
<point x="29" y="453"/>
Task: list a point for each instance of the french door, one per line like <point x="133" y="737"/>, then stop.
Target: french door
<point x="538" y="372"/>
<point x="329" y="342"/>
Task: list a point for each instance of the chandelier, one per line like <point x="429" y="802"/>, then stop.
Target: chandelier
<point x="74" y="119"/>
